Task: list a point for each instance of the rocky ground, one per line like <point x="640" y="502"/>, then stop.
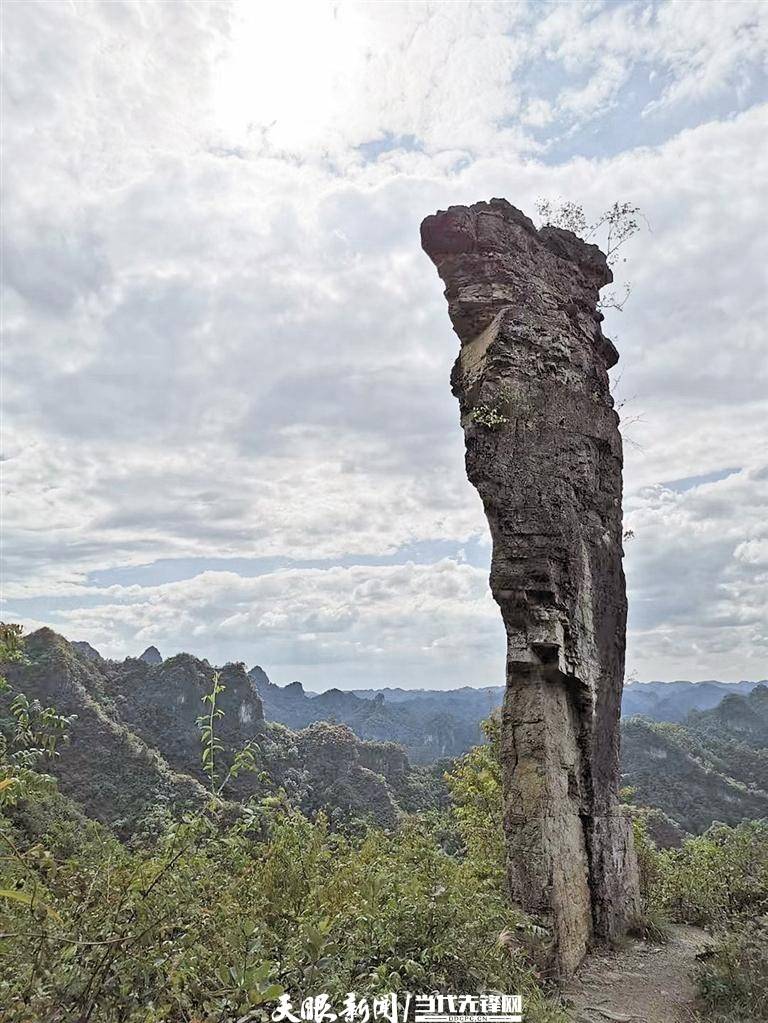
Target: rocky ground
<point x="642" y="984"/>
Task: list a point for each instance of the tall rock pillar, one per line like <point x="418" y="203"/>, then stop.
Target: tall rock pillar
<point x="544" y="451"/>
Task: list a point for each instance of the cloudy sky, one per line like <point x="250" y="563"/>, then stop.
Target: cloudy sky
<point x="227" y="419"/>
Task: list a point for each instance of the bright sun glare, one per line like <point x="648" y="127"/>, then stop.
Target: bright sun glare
<point x="287" y="72"/>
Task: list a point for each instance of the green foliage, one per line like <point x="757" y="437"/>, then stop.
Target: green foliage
<point x="243" y="759"/>
<point x="702" y="779"/>
<point x="28" y="735"/>
<point x="491" y="414"/>
<point x="653" y="923"/>
<point x="717" y="877"/>
<point x="475" y="787"/>
<point x="734" y="979"/>
<point x="718" y="880"/>
<point x="29" y="732"/>
<point x="213" y="923"/>
<point x="11" y="642"/>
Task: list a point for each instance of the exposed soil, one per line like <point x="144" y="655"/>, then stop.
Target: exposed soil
<point x="641" y="984"/>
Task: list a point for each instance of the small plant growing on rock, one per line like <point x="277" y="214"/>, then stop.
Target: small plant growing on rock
<point x="490" y="415"/>
<point x="610" y="231"/>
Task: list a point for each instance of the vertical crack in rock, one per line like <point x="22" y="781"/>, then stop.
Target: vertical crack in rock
<point x="543" y="450"/>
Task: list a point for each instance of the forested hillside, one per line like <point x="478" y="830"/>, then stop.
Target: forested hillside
<point x="133" y="754"/>
<point x="267" y="861"/>
<point x="429" y="725"/>
<point x="693" y="778"/>
<point x="133" y="757"/>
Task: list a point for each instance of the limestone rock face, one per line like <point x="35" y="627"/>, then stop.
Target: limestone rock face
<point x="87" y="651"/>
<point x="151" y="656"/>
<point x="258" y="676"/>
<point x="543" y="450"/>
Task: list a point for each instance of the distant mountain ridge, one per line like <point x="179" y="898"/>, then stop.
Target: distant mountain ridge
<point x="435" y="722"/>
<point x="657" y="700"/>
<point x="135" y="754"/>
<point x="396" y="694"/>
<point x="673" y="701"/>
<point x="697" y="752"/>
<point x="428" y="726"/>
<point x="715" y="767"/>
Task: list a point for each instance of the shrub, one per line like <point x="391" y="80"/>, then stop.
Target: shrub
<point x="734" y="978"/>
<point x="718" y="880"/>
<point x="717" y="877"/>
<point x="214" y="923"/>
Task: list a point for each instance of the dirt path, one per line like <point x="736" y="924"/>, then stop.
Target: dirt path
<point x="642" y="984"/>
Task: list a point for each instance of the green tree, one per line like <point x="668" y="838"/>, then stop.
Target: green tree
<point x="476" y="792"/>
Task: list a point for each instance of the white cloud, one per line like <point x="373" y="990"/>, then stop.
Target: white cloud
<point x="321" y="624"/>
<point x="698" y="578"/>
<point x="222" y="340"/>
<point x="694" y="51"/>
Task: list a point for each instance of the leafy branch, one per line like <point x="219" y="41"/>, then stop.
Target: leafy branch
<point x="613" y="227"/>
<point x="35" y="733"/>
<point x="243" y="760"/>
<point x="611" y="230"/>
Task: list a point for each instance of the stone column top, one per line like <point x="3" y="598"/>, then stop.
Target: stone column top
<point x="491" y="257"/>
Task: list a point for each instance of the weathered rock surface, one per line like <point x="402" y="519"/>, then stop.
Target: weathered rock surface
<point x="87" y="651"/>
<point x="543" y="450"/>
<point x="151" y="656"/>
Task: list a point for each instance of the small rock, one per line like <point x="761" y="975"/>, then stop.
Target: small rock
<point x="616" y="1017"/>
